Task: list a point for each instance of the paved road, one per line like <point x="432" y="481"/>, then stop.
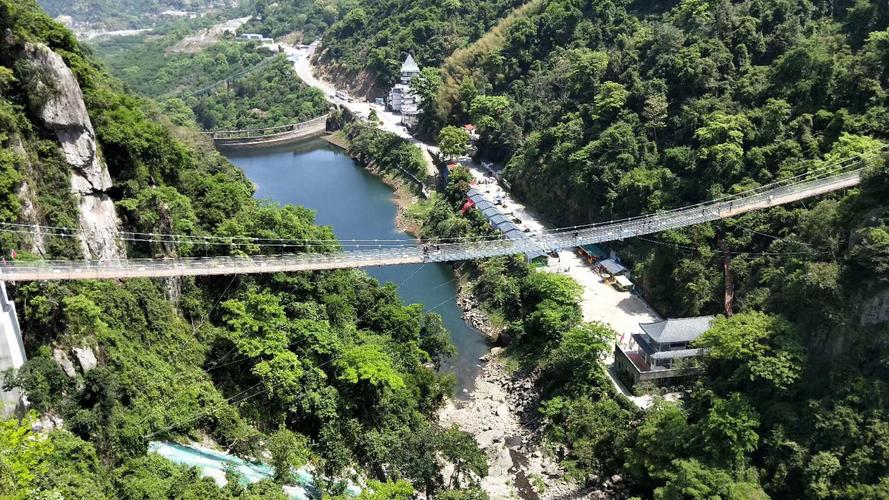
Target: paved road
<point x="390" y="122"/>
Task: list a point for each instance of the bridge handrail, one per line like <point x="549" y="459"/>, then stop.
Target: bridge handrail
<point x="147" y="267"/>
<point x="263" y="132"/>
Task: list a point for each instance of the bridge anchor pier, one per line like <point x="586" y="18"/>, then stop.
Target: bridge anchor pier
<point x="12" y="354"/>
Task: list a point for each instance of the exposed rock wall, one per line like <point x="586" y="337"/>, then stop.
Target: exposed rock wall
<point x="56" y="99"/>
<point x="875" y="310"/>
<point x="30" y="211"/>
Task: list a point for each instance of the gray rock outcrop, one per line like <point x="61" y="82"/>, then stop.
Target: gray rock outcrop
<point x="875" y="309"/>
<point x="86" y="357"/>
<point x="64" y="362"/>
<point x="56" y="99"/>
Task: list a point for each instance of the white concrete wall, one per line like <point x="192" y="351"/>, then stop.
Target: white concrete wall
<point x="12" y="351"/>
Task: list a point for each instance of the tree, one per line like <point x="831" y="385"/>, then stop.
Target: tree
<point x="289" y="451"/>
<point x="368" y="363"/>
<point x="162" y="210"/>
<point x="665" y="434"/>
<point x="435" y="339"/>
<point x="558" y="288"/>
<point x="586" y="69"/>
<point x="452" y="141"/>
<point x="398" y="490"/>
<point x="258" y="323"/>
<point x="458" y="184"/>
<point x="23" y="457"/>
<point x="460" y="449"/>
<point x="689" y="478"/>
<point x="730" y="429"/>
<point x="426" y="86"/>
<point x="721" y="142"/>
<point x="655" y="113"/>
<point x="596" y="432"/>
<point x="610" y="99"/>
<point x="488" y="108"/>
<point x="753" y="347"/>
<point x="577" y="355"/>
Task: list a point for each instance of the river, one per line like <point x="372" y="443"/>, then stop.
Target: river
<point x="358" y="205"/>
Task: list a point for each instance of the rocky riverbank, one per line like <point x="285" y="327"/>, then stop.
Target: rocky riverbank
<point x="501" y="415"/>
<point x="474" y="315"/>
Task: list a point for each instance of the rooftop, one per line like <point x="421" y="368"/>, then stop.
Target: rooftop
<point x="500" y="220"/>
<point x="677" y="330"/>
<point x="409" y="65"/>
<point x="612" y="266"/>
<point x="624" y="281"/>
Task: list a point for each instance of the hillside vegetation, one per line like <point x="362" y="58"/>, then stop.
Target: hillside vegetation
<point x="322" y="368"/>
<point x="609" y="109"/>
<point x="378" y="35"/>
<point x="307" y="19"/>
<point x="123" y="14"/>
<point x="230" y="85"/>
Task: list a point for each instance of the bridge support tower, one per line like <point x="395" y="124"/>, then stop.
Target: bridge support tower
<point x="12" y="354"/>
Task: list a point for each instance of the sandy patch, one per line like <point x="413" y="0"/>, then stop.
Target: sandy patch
<point x="204" y="38"/>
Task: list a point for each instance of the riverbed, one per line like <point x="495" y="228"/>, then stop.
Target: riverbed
<point x="359" y="206"/>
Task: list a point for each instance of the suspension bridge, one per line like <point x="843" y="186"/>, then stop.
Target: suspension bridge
<point x="383" y="253"/>
<point x="263" y="137"/>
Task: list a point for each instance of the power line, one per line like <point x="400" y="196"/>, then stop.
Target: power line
<point x="238" y="399"/>
<point x="697" y="250"/>
<point x="776" y="238"/>
<point x="826" y="169"/>
<point x="308" y="243"/>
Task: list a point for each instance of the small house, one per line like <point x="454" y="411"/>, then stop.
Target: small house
<point x="502" y="223"/>
<point x="401" y="98"/>
<point x="592" y="253"/>
<point x="663" y="351"/>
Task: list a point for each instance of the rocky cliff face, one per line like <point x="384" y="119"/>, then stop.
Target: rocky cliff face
<point x="56" y="99"/>
<point x="30" y="211"/>
<point x="875" y="309"/>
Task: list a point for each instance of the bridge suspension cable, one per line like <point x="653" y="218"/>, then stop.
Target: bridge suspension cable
<point x="777" y="193"/>
<point x="830" y="168"/>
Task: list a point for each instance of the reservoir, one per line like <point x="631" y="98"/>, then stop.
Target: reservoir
<point x="358" y="205"/>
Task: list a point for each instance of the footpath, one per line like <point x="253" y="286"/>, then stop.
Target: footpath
<point x="497" y="412"/>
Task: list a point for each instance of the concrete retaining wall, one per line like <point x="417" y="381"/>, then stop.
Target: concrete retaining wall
<point x="12" y="352"/>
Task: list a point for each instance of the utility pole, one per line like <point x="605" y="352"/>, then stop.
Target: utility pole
<point x="727" y="270"/>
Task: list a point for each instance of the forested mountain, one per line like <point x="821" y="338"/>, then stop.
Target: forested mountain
<point x="307" y="19"/>
<point x="122" y="14"/>
<point x="327" y="368"/>
<point x="229" y="85"/>
<point x="608" y="109"/>
<point x="378" y="35"/>
<point x="128" y="14"/>
<point x="598" y="110"/>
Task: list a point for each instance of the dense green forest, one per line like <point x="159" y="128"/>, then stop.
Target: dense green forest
<point x="378" y="35"/>
<point x="597" y="110"/>
<point x="610" y="109"/>
<point x="324" y="368"/>
<point x="792" y="401"/>
<point x="230" y="85"/>
<point x="123" y="14"/>
<point x="309" y="19"/>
